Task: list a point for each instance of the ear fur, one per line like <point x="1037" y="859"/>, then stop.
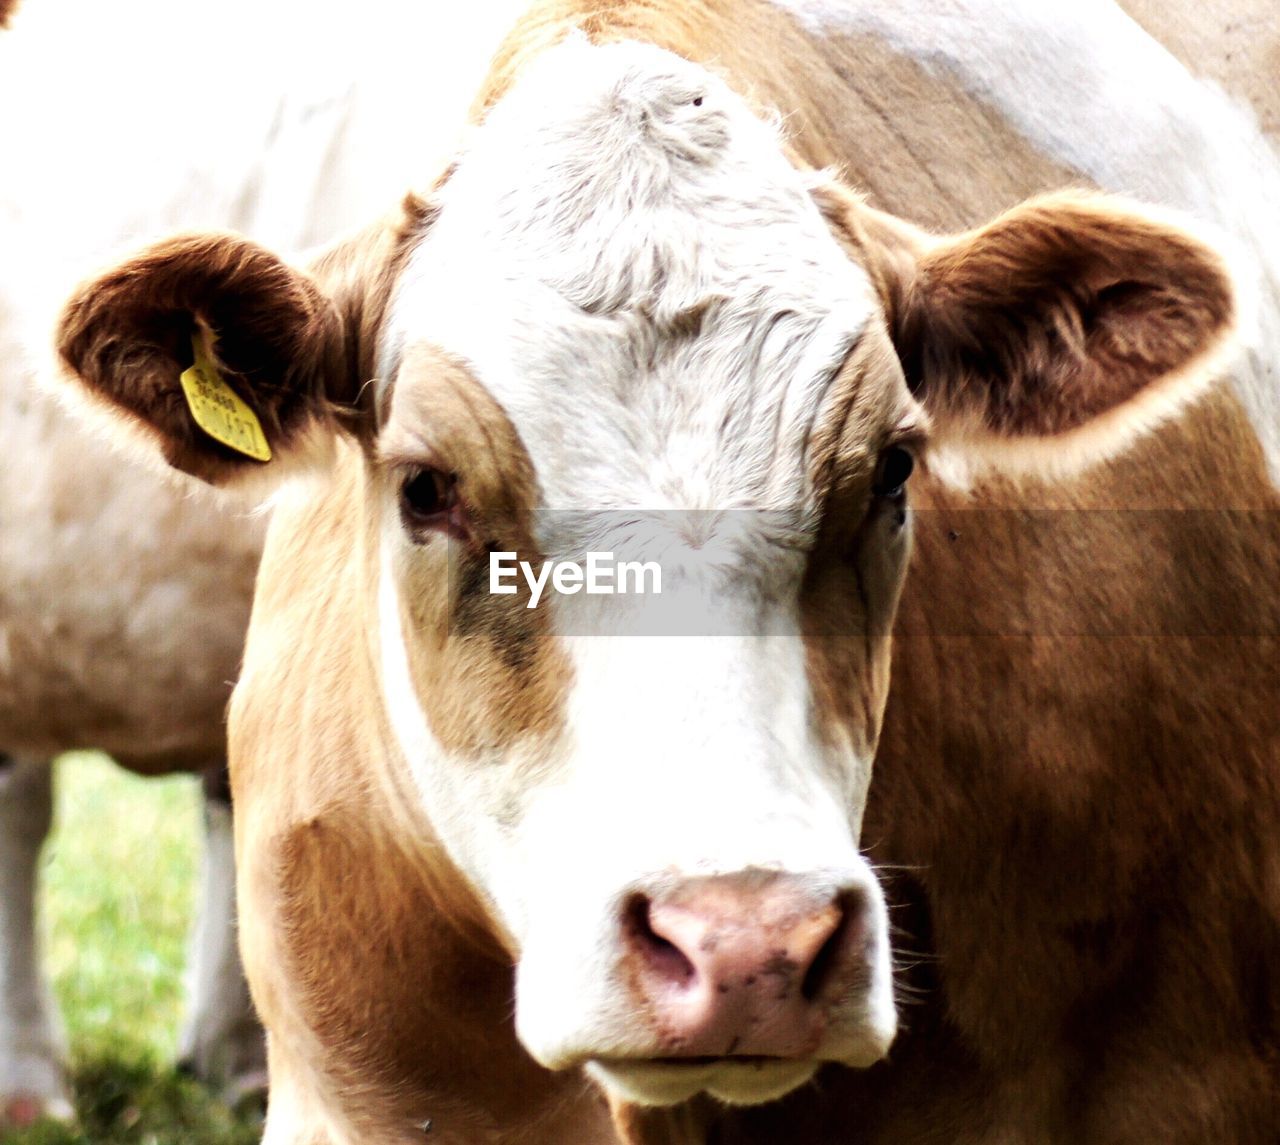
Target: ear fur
<point x="278" y="341"/>
<point x="1053" y="335"/>
<point x="1074" y="303"/>
<point x="297" y="346"/>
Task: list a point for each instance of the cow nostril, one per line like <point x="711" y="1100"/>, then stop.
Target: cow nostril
<point x="851" y="906"/>
<point x="661" y="955"/>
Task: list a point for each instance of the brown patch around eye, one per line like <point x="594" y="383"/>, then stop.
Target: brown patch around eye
<point x="856" y="569"/>
<point x="488" y="670"/>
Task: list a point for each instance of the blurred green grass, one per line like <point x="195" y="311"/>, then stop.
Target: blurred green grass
<point x="117" y="897"/>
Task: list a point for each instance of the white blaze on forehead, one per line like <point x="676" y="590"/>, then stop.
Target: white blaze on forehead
<point x="632" y="267"/>
<point x="1086" y="86"/>
<point x="628" y="263"/>
<point x="613" y="191"/>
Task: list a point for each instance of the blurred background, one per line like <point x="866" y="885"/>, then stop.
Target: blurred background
<point x="117" y="897"/>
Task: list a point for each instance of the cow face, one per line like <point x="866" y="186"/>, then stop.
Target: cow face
<point x="628" y="331"/>
<point x="626" y="325"/>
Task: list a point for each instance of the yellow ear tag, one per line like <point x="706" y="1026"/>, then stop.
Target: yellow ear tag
<point x="219" y="410"/>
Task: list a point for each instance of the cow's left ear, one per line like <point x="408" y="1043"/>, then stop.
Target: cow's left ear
<point x="1052" y="336"/>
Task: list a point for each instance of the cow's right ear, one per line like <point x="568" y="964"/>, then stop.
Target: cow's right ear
<point x="269" y="337"/>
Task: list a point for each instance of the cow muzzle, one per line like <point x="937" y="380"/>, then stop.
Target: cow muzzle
<point x="743" y="984"/>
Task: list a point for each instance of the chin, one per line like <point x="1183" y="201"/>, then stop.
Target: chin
<point x="741" y="1081"/>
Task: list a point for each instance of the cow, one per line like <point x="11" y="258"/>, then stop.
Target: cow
<point x="481" y="844"/>
<point x="123" y="603"/>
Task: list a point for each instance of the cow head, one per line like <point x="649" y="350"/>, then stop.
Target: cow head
<point x="625" y="322"/>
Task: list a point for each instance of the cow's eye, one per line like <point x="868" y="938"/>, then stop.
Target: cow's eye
<point x="427" y="497"/>
<point x="892" y="470"/>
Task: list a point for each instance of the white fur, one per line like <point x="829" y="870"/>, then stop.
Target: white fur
<point x="1089" y="88"/>
<point x="570" y="232"/>
<point x="221" y="1036"/>
<point x="597" y="203"/>
<point x="30" y="1038"/>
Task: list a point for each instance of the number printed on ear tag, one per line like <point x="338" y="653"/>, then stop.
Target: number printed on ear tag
<point x="219" y="410"/>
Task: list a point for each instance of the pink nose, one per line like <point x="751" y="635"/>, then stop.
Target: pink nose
<point x="744" y="965"/>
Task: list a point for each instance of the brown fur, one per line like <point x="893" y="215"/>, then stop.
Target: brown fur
<point x="359" y="275"/>
<point x="686" y="1124"/>
<point x="7" y="9"/>
<point x="996" y="304"/>
<point x="862" y="553"/>
<point x="1059" y="311"/>
<point x="1077" y="788"/>
<point x="277" y="340"/>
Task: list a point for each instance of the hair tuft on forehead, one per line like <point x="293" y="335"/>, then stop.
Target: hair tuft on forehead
<point x="625" y="178"/>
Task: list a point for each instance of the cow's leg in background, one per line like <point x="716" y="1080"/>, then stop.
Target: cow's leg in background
<point x="32" y="1082"/>
<point x="222" y="1041"/>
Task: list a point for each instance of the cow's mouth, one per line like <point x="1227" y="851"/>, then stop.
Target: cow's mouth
<point x="708" y="1059"/>
<point x="748" y="1080"/>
